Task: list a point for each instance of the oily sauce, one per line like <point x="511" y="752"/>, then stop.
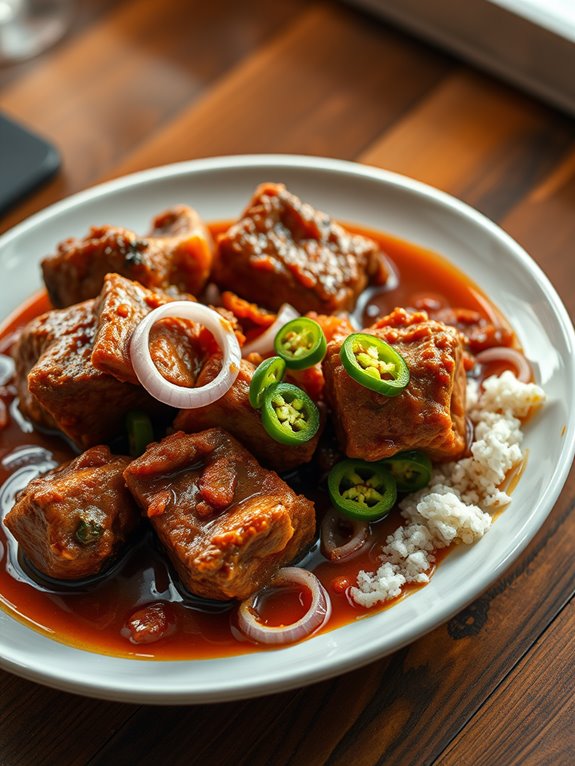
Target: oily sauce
<point x="104" y="614"/>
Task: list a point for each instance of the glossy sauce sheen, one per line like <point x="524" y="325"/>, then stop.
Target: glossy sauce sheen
<point x="94" y="615"/>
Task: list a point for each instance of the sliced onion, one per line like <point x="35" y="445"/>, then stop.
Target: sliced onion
<point x="27" y="454"/>
<point x="510" y="356"/>
<point x="7" y="369"/>
<point x="178" y="396"/>
<point x="264" y="343"/>
<point x="353" y="547"/>
<point x="318" y="613"/>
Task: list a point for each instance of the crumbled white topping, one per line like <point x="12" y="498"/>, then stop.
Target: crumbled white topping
<point x="455" y="507"/>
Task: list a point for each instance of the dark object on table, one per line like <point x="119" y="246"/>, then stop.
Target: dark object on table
<point x="26" y="161"/>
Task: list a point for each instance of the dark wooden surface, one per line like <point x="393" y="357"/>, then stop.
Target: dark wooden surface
<point x="140" y="83"/>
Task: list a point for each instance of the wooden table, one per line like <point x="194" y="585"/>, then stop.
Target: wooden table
<point x="140" y="83"/>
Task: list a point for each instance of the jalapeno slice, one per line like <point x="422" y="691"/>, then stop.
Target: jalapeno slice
<point x="140" y="432"/>
<point x="411" y="470"/>
<point x="301" y="343"/>
<point x="289" y="415"/>
<point x="362" y="490"/>
<point x="268" y="373"/>
<point x="374" y="363"/>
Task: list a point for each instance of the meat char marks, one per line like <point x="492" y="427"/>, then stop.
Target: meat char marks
<point x="227" y="524"/>
<point x="428" y="415"/>
<point x="177" y="253"/>
<point x="284" y="251"/>
<point x="73" y="520"/>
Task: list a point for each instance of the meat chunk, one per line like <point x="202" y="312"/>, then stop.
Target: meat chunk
<point x="58" y="385"/>
<point x="72" y="521"/>
<point x="174" y="343"/>
<point x="226" y="523"/>
<point x="179" y="347"/>
<point x="282" y="250"/>
<point x="32" y="342"/>
<point x="234" y="412"/>
<point x="428" y="415"/>
<point x="176" y="253"/>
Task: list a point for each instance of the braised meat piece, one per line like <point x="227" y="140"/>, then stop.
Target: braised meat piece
<point x="58" y="385"/>
<point x="227" y="524"/>
<point x="284" y="251"/>
<point x="178" y="347"/>
<point x="32" y="341"/>
<point x="428" y="415"/>
<point x="176" y="253"/>
<point x="73" y="520"/>
<point x="235" y="413"/>
<point x="174" y="343"/>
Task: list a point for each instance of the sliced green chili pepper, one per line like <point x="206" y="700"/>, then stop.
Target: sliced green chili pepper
<point x="140" y="432"/>
<point x="362" y="490"/>
<point x="88" y="532"/>
<point x="301" y="343"/>
<point x="374" y="363"/>
<point x="268" y="373"/>
<point x="411" y="470"/>
<point x="288" y="414"/>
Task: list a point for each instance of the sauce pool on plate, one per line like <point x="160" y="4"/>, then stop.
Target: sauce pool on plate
<point x="138" y="608"/>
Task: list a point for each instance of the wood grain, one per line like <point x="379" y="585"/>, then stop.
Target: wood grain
<point x="119" y="81"/>
<point x="314" y="90"/>
<point x="140" y="83"/>
<point x="38" y="725"/>
<point x="538" y="697"/>
<point x="477" y="139"/>
<point x="544" y="224"/>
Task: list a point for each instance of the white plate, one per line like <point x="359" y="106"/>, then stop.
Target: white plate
<point x="219" y="188"/>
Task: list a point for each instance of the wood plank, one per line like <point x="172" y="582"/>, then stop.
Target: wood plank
<point x="118" y="83"/>
<point x="477" y="139"/>
<point x="544" y="223"/>
<point x="538" y="697"/>
<point x="327" y="87"/>
<point x="83" y="15"/>
<point x="44" y="726"/>
<point x="199" y="734"/>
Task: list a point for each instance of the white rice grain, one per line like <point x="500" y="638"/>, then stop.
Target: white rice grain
<point x="456" y="506"/>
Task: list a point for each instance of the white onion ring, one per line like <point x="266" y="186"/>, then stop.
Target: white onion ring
<point x="354" y="546"/>
<point x="509" y="355"/>
<point x="264" y="343"/>
<point x="317" y="614"/>
<point x="178" y="396"/>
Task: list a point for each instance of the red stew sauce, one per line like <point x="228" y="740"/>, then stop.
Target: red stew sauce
<point x="137" y="609"/>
